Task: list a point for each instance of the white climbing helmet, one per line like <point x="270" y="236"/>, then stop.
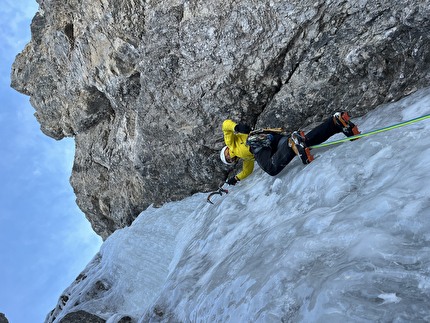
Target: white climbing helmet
<point x="222" y="156"/>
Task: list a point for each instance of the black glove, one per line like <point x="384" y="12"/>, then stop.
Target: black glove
<point x="242" y="128"/>
<point x="232" y="180"/>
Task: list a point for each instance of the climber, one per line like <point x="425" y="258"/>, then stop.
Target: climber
<point x="273" y="149"/>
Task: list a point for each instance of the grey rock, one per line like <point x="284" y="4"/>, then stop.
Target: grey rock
<point x="3" y="318"/>
<point x="143" y="86"/>
<point x="81" y="317"/>
<point x="126" y="319"/>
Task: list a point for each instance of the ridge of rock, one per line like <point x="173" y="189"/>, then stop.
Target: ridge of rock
<point x="143" y="86"/>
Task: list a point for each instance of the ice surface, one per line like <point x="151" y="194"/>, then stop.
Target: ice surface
<point x="343" y="239"/>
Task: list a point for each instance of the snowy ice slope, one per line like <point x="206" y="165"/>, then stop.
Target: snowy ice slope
<point x="346" y="238"/>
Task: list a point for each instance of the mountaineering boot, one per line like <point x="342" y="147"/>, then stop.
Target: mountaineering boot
<point x="342" y="120"/>
<point x="297" y="143"/>
<point x="256" y="141"/>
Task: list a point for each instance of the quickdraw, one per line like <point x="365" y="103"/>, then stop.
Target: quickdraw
<point x="220" y="191"/>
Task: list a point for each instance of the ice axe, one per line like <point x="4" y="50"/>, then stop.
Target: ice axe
<point x="220" y="191"/>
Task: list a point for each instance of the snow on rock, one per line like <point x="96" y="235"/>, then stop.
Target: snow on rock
<point x="345" y="238"/>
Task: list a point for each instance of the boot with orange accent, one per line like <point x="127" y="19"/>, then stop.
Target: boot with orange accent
<point x="342" y="120"/>
<point x="297" y="143"/>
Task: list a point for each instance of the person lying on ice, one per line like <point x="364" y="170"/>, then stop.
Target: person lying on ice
<point x="273" y="149"/>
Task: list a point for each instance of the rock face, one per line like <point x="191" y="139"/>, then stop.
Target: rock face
<point x="81" y="317"/>
<point x="3" y="318"/>
<point x="143" y="86"/>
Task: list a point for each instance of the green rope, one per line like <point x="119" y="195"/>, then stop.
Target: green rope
<point x="366" y="134"/>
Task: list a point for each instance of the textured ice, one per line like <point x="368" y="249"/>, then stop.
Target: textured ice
<point x="343" y="239"/>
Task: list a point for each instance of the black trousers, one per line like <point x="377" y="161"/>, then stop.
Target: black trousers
<point x="274" y="159"/>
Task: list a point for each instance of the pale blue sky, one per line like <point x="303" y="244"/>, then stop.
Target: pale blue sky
<point x="45" y="240"/>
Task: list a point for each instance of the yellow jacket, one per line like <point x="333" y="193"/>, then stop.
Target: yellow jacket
<point x="236" y="142"/>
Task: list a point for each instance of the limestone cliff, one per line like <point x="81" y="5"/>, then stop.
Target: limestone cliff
<point x="143" y="86"/>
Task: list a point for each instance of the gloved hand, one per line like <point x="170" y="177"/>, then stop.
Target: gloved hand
<point x="232" y="180"/>
<point x="242" y="128"/>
